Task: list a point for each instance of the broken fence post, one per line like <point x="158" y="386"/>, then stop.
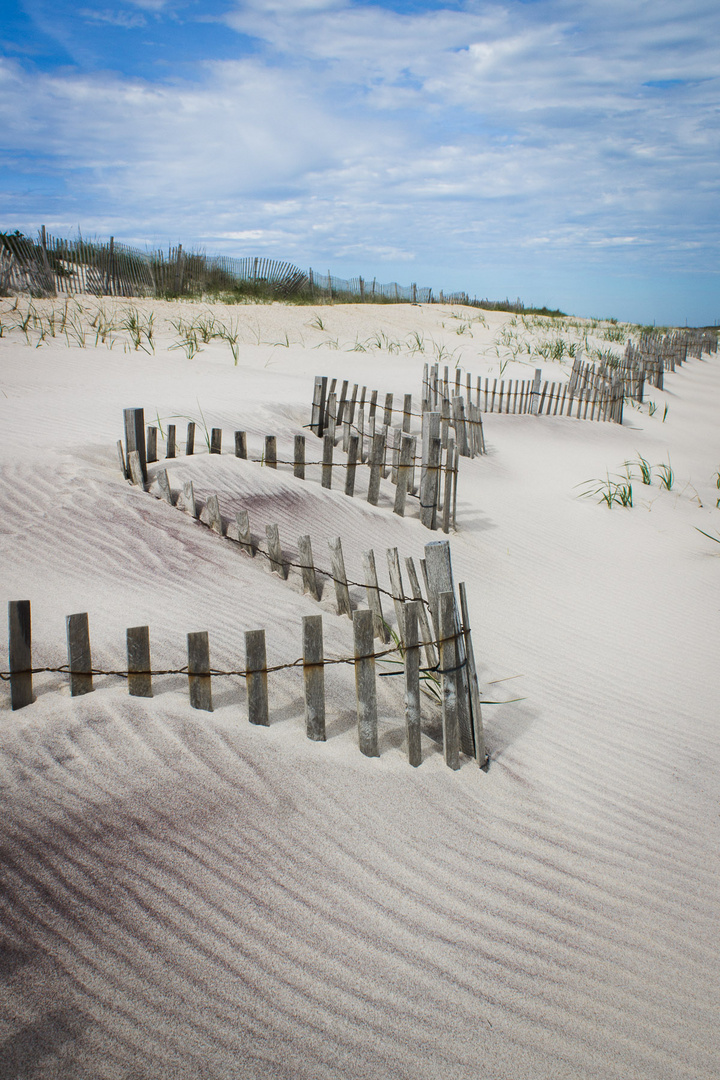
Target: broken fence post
<point x="138" y="660"/>
<point x="134" y="420"/>
<point x="256" y="677"/>
<point x="20" y="654"/>
<point x="188" y="499"/>
<point x="199" y="671"/>
<point x="365" y="686"/>
<point x="314" y="677"/>
<point x="412" y="682"/>
<point x="79" y="658"/>
<point x="211" y="515"/>
<point x="163" y="484"/>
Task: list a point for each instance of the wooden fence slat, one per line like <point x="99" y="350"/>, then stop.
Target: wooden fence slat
<point x="134" y="420"/>
<point x="407" y="413"/>
<point x="256" y="678"/>
<point x="190" y="439"/>
<point x="351" y="465"/>
<point x="377" y="453"/>
<point x="20" y="654"/>
<point x="299" y="457"/>
<point x="241" y="444"/>
<point x="412" y="682"/>
<point x="427" y="637"/>
<point x="271" y="451"/>
<point x="138" y="661"/>
<point x="135" y="467"/>
<point x="373" y="595"/>
<point x="188" y="499"/>
<point x="337" y="566"/>
<point x="170" y="449"/>
<point x="387" y="416"/>
<point x="244" y="535"/>
<point x="449" y="662"/>
<point x="327" y="462"/>
<point x="314" y="677"/>
<point x="307" y="567"/>
<point x="152" y="444"/>
<point x="439" y="575"/>
<point x="365" y="685"/>
<point x="121" y="458"/>
<point x="447" y="497"/>
<point x="478" y="733"/>
<point x="429" y="484"/>
<point x="79" y="658"/>
<point x="396" y="588"/>
<point x="211" y="515"/>
<point x="272" y="533"/>
<point x="163" y="483"/>
<point x="403" y="475"/>
<point x="199" y="671"/>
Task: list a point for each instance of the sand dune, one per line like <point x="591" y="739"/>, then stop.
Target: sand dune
<point x="184" y="895"/>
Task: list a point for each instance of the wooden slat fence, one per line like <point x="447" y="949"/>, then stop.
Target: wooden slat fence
<point x="453" y="678"/>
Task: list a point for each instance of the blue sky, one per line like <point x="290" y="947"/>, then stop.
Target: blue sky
<point x="563" y="151"/>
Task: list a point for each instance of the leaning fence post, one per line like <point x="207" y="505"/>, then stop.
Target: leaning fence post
<point x="199" y="671"/>
<point x="365" y="687"/>
<point x="135" y="436"/>
<point x="299" y="457"/>
<point x="427" y="637"/>
<point x="79" y="659"/>
<point x="448" y="679"/>
<point x="373" y="595"/>
<point x="20" y="654"/>
<point x="121" y="458"/>
<point x="314" y="677"/>
<point x="412" y="683"/>
<point x="163" y="483"/>
<point x="256" y="677"/>
<point x="138" y="659"/>
<point x="307" y="567"/>
<point x="480" y="752"/>
<point x="337" y="566"/>
<point x="438" y="565"/>
<point x="377" y="453"/>
<point x="396" y="588"/>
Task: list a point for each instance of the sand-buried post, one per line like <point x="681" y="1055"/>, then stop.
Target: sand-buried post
<point x="211" y="515"/>
<point x="479" y="735"/>
<point x="198" y="646"/>
<point x="163" y="483"/>
<point x="299" y="457"/>
<point x="307" y="567"/>
<point x="377" y="453"/>
<point x="256" y="678"/>
<point x="365" y="687"/>
<point x="241" y="444"/>
<point x="449" y="663"/>
<point x="271" y="451"/>
<point x="20" y="653"/>
<point x="412" y="682"/>
<point x="351" y="465"/>
<point x="79" y="657"/>
<point x="188" y="499"/>
<point x="314" y="677"/>
<point x="151" y="444"/>
<point x="135" y="468"/>
<point x="121" y="458"/>
<point x="337" y="566"/>
<point x="272" y="534"/>
<point x="327" y="462"/>
<point x="134" y="421"/>
<point x="138" y="660"/>
<point x="170" y="448"/>
<point x="190" y="439"/>
<point x="216" y="440"/>
<point x="244" y="536"/>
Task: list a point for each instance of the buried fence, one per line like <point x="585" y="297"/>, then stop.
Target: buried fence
<point x="453" y="674"/>
<point x="389" y="454"/>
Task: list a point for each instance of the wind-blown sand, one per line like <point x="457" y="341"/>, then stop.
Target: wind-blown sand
<point x="185" y="896"/>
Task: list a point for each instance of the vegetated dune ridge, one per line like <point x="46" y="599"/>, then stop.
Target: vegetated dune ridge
<point x="186" y="896"/>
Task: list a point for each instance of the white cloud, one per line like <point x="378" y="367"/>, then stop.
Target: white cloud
<point x="127" y="19"/>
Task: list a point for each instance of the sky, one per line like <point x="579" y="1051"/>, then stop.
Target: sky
<point x="562" y="151"/>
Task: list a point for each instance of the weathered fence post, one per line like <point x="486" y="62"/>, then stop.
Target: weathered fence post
<point x="447" y="497"/>
<point x="256" y="677"/>
<point x="337" y="566"/>
<point x="272" y="533"/>
<point x="170" y="448"/>
<point x="163" y="483"/>
<point x="365" y="687"/>
<point x="20" y="654"/>
<point x="199" y="671"/>
<point x="211" y="515"/>
<point x="152" y="444"/>
<point x="412" y="683"/>
<point x="449" y="663"/>
<point x="403" y="475"/>
<point x="188" y="499"/>
<point x="135" y="436"/>
<point x="351" y="465"/>
<point x="407" y="412"/>
<point x="327" y="463"/>
<point x="427" y="637"/>
<point x="216" y="440"/>
<point x="307" y="567"/>
<point x="79" y="658"/>
<point x="271" y="452"/>
<point x="244" y="535"/>
<point x="373" y="595"/>
<point x="299" y="457"/>
<point x="396" y="588"/>
<point x="535" y="399"/>
<point x="121" y="458"/>
<point x="480" y="752"/>
<point x="377" y="453"/>
<point x="138" y="659"/>
<point x="241" y="444"/>
<point x="314" y="677"/>
<point x="429" y="483"/>
<point x="135" y="467"/>
<point x="190" y="438"/>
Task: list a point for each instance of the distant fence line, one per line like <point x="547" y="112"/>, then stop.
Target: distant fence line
<point x="52" y="266"/>
<point x="453" y="667"/>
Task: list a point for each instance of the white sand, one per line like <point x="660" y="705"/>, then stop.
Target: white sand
<point x="184" y="896"/>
